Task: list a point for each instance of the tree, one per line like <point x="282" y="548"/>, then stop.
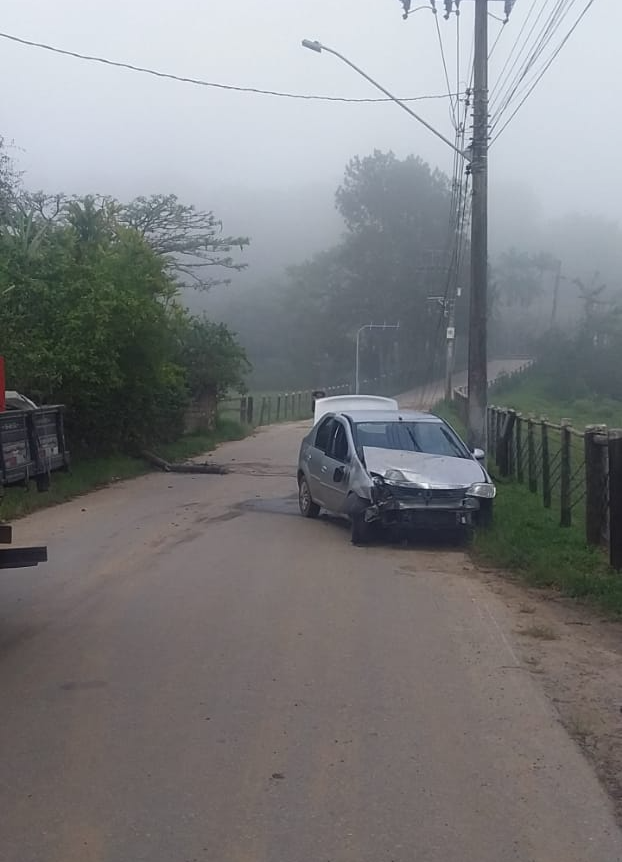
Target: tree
<point x="89" y="314"/>
<point x="394" y="255"/>
<point x="214" y="361"/>
<point x="190" y="240"/>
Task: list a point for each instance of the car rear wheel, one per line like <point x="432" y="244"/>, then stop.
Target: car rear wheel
<point x="308" y="509"/>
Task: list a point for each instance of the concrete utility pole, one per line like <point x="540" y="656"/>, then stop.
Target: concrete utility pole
<point x="478" y="311"/>
<point x="449" y="313"/>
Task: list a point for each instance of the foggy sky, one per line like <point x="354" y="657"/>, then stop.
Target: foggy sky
<point x="88" y="128"/>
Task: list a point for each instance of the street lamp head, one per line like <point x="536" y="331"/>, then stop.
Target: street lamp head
<point x="312" y="45"/>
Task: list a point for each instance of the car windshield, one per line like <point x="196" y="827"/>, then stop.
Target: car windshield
<point x="432" y="438"/>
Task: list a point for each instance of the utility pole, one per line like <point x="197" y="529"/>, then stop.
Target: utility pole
<point x="478" y="312"/>
<point x="451" y="346"/>
<point x="558" y="278"/>
<point x="449" y="313"/>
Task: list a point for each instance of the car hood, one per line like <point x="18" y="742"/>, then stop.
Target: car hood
<point x="423" y="470"/>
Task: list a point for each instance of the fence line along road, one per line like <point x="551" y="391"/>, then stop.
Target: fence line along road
<point x="578" y="473"/>
<point x="256" y="410"/>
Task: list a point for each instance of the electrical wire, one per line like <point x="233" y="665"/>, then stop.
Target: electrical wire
<point x="545" y="69"/>
<point x="496" y="42"/>
<point x="453" y="114"/>
<point x="550" y="28"/>
<point x="201" y="83"/>
<point x="516" y="42"/>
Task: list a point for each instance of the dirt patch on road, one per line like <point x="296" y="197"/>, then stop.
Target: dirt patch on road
<point x="577" y="657"/>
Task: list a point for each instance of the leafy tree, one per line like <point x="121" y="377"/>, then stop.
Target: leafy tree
<point x="215" y="362"/>
<point x="190" y="240"/>
<point x="393" y="256"/>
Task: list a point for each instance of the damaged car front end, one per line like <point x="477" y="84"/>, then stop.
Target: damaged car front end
<point x="397" y="501"/>
<point x="413" y="491"/>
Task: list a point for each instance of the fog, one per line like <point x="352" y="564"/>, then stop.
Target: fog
<point x="269" y="166"/>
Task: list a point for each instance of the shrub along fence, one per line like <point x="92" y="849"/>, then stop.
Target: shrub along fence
<point x="576" y="472"/>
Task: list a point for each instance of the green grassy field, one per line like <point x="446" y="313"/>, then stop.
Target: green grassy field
<point x="531" y="394"/>
<point x="90" y="474"/>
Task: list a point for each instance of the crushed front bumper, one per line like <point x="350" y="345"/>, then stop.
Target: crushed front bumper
<point x="426" y="511"/>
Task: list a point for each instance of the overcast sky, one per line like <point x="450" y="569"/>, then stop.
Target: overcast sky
<point x="86" y="127"/>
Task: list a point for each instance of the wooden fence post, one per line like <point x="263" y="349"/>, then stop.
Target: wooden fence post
<point x="531" y="456"/>
<point x="285" y="405"/>
<point x="546" y="465"/>
<point x="500" y="418"/>
<point x="492" y="436"/>
<point x="263" y="409"/>
<point x="504" y="441"/>
<point x="565" y="474"/>
<point x="243" y="411"/>
<point x="520" y="472"/>
<point x="595" y="482"/>
<point x="615" y="498"/>
<point x="278" y="408"/>
<point x="269" y="409"/>
<point x="510" y="444"/>
<point x="299" y="405"/>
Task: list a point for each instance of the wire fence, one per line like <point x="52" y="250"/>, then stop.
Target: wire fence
<point x="267" y="408"/>
<point x="577" y="473"/>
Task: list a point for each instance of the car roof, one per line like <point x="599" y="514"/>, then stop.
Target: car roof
<point x="390" y="416"/>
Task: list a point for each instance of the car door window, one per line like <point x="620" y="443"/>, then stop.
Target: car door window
<point x="339" y="444"/>
<point x="323" y="435"/>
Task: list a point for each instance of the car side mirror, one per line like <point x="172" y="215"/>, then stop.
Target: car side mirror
<point x="339" y="474"/>
<point x="479" y="454"/>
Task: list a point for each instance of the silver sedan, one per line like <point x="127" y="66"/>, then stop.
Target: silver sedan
<point x="402" y="469"/>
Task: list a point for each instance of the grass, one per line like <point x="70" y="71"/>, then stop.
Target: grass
<point x="527" y="540"/>
<point x="532" y="394"/>
<point x="191" y="445"/>
<point x="90" y="474"/>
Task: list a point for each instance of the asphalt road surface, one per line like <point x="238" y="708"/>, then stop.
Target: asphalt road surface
<point x="201" y="674"/>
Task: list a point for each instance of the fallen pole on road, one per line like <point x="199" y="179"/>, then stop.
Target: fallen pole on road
<point x="185" y="467"/>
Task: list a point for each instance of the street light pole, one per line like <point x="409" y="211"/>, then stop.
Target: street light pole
<point x="357" y="364"/>
<point x="318" y="47"/>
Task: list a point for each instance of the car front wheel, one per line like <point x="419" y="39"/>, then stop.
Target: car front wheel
<point x="308" y="509"/>
<point x="361" y="529"/>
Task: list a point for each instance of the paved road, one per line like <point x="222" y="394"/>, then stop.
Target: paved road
<point x="200" y="674"/>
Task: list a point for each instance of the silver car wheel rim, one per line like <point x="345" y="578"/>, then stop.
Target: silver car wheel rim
<point x="305" y="497"/>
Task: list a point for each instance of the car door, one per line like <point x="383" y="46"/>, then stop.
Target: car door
<point x="335" y="469"/>
<point x="314" y="458"/>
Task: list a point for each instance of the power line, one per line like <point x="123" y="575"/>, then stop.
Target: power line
<point x="551" y="26"/>
<point x="201" y="83"/>
<point x="440" y="43"/>
<point x="544" y="69"/>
